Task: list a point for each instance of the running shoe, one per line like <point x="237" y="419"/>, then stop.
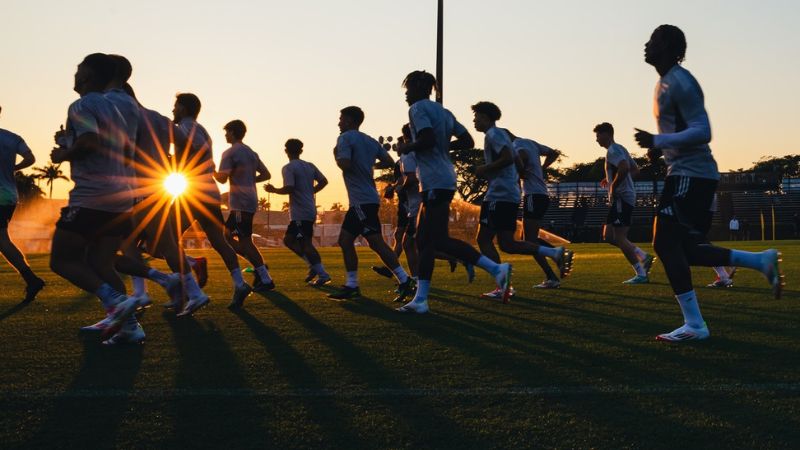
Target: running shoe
<point x="405" y="290"/>
<point x="261" y="287"/>
<point x="770" y="267"/>
<point x="548" y="284"/>
<point x="130" y="333"/>
<point x="638" y="279"/>
<point x="685" y="333"/>
<point x="33" y="288"/>
<point x="647" y="263"/>
<point x="720" y="283"/>
<point x="345" y="293"/>
<point x="194" y="305"/>
<point x="414" y="307"/>
<point x="383" y="271"/>
<point x="123" y="310"/>
<point x="239" y="294"/>
<point x="322" y="280"/>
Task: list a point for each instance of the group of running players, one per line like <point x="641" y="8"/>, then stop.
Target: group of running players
<point x="119" y="153"/>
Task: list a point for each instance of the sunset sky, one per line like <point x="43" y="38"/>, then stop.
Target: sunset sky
<point x="286" y="68"/>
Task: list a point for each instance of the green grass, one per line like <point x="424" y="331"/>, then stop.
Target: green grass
<point x="573" y="368"/>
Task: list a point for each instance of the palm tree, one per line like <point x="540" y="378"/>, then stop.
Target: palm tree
<point x="263" y="204"/>
<point x="285" y="207"/>
<point x="50" y="172"/>
<point x="26" y="186"/>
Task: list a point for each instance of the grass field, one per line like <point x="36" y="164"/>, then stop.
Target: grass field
<point x="572" y="368"/>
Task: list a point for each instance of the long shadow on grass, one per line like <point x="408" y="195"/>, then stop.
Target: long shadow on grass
<point x="13" y="310"/>
<point x="419" y="423"/>
<point x="83" y="415"/>
<point x="207" y="364"/>
<point x="324" y="411"/>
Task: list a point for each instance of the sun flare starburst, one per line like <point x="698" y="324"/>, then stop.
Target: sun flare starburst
<point x="175" y="183"/>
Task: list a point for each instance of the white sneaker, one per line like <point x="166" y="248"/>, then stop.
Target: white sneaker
<point x="685" y="333"/>
<point x="193" y="305"/>
<point x="417" y="307"/>
<point x="770" y="267"/>
<point x="130" y="333"/>
<point x="497" y="294"/>
<point x="98" y="326"/>
<point x="122" y="311"/>
<point x="503" y="279"/>
<point x="548" y="284"/>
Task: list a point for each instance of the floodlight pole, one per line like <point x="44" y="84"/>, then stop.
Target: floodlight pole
<point x="439" y="52"/>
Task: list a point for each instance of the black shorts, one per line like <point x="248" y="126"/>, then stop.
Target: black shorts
<point x="300" y="229"/>
<point x="688" y="201"/>
<point x="499" y="216"/>
<point x="6" y="211"/>
<point x="362" y="219"/>
<point x="93" y="223"/>
<point x="619" y="213"/>
<point x="240" y="224"/>
<point x="535" y="206"/>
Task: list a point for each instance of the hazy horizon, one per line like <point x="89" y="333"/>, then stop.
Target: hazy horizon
<point x="287" y="69"/>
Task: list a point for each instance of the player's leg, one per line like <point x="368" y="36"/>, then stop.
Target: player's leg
<point x="531" y="234"/>
<point x="14" y="256"/>
<point x="310" y="253"/>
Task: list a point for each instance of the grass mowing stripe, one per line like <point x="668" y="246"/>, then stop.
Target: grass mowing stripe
<point x="390" y="392"/>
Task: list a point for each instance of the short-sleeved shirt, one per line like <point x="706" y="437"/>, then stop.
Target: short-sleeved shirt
<point x="503" y="183"/>
<point x="434" y="168"/>
<point x="152" y="148"/>
<point x="625" y="189"/>
<point x="199" y="155"/>
<point x="408" y="165"/>
<point x="301" y="176"/>
<point x="534" y="175"/>
<point x="683" y="126"/>
<point x="101" y="176"/>
<point x="11" y="145"/>
<point x="240" y="163"/>
<point x="362" y="151"/>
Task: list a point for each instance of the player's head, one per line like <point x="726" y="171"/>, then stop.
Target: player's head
<point x="666" y="47"/>
<point x="294" y="148"/>
<point x="350" y="118"/>
<point x="186" y="105"/>
<point x="419" y="85"/>
<point x="604" y="134"/>
<point x="122" y="71"/>
<point x="94" y="73"/>
<point x="486" y="114"/>
<point x="234" y="131"/>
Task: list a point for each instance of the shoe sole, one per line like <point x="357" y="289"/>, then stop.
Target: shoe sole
<point x="194" y="310"/>
<point x="119" y="319"/>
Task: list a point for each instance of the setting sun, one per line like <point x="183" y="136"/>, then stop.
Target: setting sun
<point x="175" y="183"/>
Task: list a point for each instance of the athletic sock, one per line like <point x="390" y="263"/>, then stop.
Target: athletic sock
<point x="722" y="273"/>
<point x="423" y="287"/>
<point x="550" y="252"/>
<point x="640" y="254"/>
<point x="401" y="274"/>
<point x="319" y="270"/>
<point x="690" y="309"/>
<point x="159" y="277"/>
<point x="107" y="295"/>
<point x="139" y="286"/>
<point x="236" y="274"/>
<point x="352" y="279"/>
<point x="750" y="260"/>
<point x="263" y="274"/>
<point x="308" y="263"/>
<point x="192" y="288"/>
<point x="192" y="260"/>
<point x="639" y="270"/>
<point x="488" y="265"/>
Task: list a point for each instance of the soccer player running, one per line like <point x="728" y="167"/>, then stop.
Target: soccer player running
<point x="97" y="216"/>
<point x="194" y="159"/>
<point x="619" y="166"/>
<point x="301" y="182"/>
<point x="432" y="127"/>
<point x="242" y="167"/>
<point x="355" y="154"/>
<point x="501" y="203"/>
<point x="684" y="211"/>
<point x="12" y="145"/>
<point x="535" y="198"/>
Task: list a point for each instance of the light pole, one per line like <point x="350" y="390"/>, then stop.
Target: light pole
<point x="439" y="52"/>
